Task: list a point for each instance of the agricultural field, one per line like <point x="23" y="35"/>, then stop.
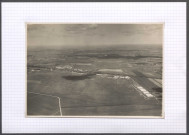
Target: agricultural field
<point x="98" y="81"/>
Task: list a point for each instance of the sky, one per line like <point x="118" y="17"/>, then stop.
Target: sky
<point x="94" y="34"/>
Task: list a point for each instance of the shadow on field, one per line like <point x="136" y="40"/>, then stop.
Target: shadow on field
<point x="75" y="78"/>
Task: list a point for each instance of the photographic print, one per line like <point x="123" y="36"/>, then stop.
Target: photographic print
<point x="94" y="70"/>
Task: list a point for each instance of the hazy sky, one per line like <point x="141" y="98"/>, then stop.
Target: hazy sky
<point x="93" y="34"/>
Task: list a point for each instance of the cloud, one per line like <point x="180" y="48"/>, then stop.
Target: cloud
<point x="92" y="26"/>
<point x="78" y="29"/>
<point x="82" y="34"/>
<point x="142" y="29"/>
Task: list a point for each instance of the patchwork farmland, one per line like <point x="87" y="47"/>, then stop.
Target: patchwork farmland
<point x="95" y="81"/>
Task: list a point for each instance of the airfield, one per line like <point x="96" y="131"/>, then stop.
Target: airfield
<point x="114" y="81"/>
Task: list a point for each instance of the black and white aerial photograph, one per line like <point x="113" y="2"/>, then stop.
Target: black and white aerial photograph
<point x="94" y="70"/>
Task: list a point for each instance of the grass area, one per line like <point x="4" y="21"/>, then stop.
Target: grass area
<point x="82" y="97"/>
<point x="42" y="105"/>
